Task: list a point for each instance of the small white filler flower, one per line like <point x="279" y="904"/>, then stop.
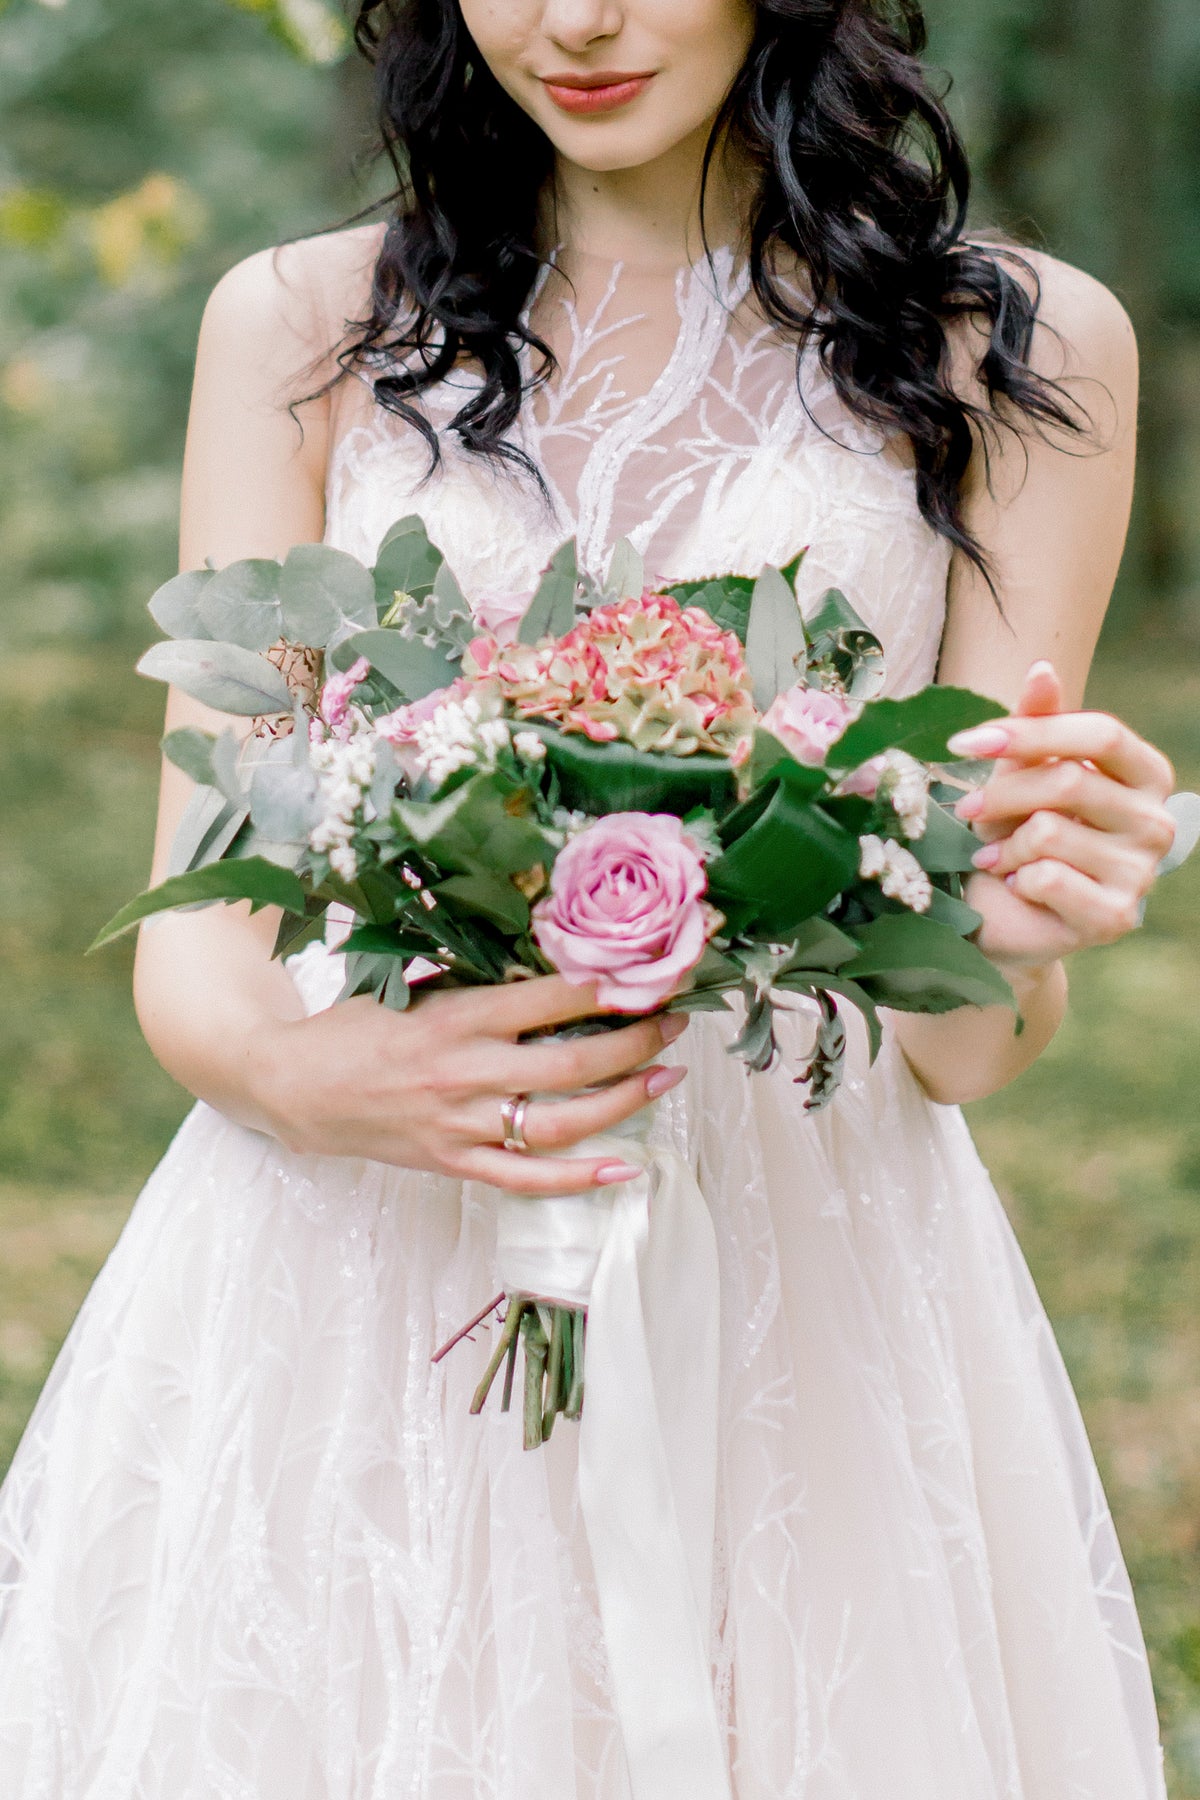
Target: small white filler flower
<point x="344" y="772"/>
<point x="896" y="870"/>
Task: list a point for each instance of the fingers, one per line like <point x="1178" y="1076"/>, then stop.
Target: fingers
<point x="552" y="1067"/>
<point x="1103" y="855"/>
<point x="1096" y="738"/>
<point x="1041" y="693"/>
<point x="1093" y="911"/>
<point x="1075" y="790"/>
<point x="560" y="1124"/>
<point x="541" y="1175"/>
<point x="521" y="1006"/>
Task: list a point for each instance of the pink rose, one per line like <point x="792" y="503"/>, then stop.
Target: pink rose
<point x="808" y="721"/>
<point x="864" y="780"/>
<point x="500" y="614"/>
<point x="336" y="696"/>
<point x="626" y="909"/>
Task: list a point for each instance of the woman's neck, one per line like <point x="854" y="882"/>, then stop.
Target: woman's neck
<point x="649" y="216"/>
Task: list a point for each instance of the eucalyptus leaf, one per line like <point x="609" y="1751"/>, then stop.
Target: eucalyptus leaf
<point x="412" y="667"/>
<point x="406" y="563"/>
<point x="261" y="883"/>
<point x="191" y="751"/>
<point x="226" y="677"/>
<point x="282" y="802"/>
<point x="226" y="773"/>
<point x="175" y="608"/>
<point x="775" y="642"/>
<point x="626" y="576"/>
<point x="551" y="612"/>
<point x="240" y="605"/>
<point x="322" y="589"/>
<point x="205" y="831"/>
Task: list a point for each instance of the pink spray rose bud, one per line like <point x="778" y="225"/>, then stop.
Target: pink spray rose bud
<point x="337" y="694"/>
<point x="808" y="721"/>
<point x="501" y="614"/>
<point x="626" y="909"/>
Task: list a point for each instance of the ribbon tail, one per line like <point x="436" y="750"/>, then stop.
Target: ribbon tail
<point x="647" y="1477"/>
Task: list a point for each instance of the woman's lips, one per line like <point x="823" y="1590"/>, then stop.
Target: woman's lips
<point x="595" y="93"/>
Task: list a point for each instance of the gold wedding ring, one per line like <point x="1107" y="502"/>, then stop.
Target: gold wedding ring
<point x="513" y="1111"/>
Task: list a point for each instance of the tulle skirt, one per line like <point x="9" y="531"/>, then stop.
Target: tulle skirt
<point x="253" y="1546"/>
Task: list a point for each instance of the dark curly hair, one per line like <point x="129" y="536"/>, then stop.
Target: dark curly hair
<point x="861" y="177"/>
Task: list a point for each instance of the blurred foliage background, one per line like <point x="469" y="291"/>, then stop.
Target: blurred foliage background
<point x="144" y="147"/>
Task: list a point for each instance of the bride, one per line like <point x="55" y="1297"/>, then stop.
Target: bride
<point x="692" y="272"/>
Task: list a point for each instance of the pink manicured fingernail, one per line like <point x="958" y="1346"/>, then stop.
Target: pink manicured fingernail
<point x="1011" y="880"/>
<point x="981" y="740"/>
<point x="970" y="806"/>
<point x="1043" y="666"/>
<point x="618" y="1171"/>
<point x="661" y="1081"/>
<point x="988" y="857"/>
<point x="672" y="1026"/>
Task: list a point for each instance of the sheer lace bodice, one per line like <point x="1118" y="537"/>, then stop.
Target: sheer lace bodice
<point x="674" y="419"/>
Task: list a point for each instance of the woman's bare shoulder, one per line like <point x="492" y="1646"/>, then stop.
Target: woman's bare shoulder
<point x="1085" y="329"/>
<point x="292" y="302"/>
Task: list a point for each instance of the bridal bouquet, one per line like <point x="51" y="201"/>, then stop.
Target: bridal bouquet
<point x="682" y="794"/>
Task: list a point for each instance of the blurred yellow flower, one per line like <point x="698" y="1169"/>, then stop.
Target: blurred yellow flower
<point x="151" y="224"/>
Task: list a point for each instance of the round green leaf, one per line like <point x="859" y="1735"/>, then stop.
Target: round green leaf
<point x="240" y="605"/>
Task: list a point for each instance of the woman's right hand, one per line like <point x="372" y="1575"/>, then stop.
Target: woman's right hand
<point x="423" y="1089"/>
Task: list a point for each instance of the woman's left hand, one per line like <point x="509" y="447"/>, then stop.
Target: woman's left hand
<point x="1074" y="826"/>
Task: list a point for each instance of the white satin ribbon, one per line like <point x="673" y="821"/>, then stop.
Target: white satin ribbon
<point x="642" y="1257"/>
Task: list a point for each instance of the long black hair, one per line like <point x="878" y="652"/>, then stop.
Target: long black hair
<point x="861" y="178"/>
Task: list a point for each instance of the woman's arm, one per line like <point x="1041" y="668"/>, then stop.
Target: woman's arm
<point x="424" y="1088"/>
<point x="1078" y="802"/>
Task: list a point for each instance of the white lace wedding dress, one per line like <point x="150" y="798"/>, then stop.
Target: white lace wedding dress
<point x="253" y="1547"/>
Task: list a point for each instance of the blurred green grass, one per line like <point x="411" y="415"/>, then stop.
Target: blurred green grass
<point x="1097" y="1150"/>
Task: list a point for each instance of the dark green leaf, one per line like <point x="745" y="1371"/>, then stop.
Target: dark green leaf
<point x="775" y="641"/>
<point x="483" y="825"/>
<point x="726" y="600"/>
<point x="262" y="883"/>
<point x="916" y="964"/>
<point x="946" y="909"/>
<point x="769" y="759"/>
<point x="551" y="612"/>
<point x="920" y="724"/>
<point x="947" y="845"/>
<point x="614" y="777"/>
<point x="785" y="861"/>
<point x="224" y="676"/>
<point x="496" y="900"/>
<point x="389" y="940"/>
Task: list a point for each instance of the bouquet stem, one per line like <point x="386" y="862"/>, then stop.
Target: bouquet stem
<point x="552" y="1338"/>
